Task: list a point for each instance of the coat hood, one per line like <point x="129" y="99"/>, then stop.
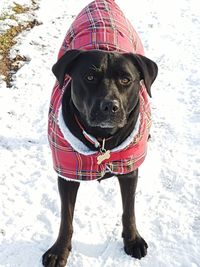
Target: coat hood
<point x="102" y="25"/>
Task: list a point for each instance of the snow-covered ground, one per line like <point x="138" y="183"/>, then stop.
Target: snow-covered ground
<point x="168" y="195"/>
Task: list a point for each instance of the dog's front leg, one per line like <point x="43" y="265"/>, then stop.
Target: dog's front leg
<point x="57" y="255"/>
<point x="134" y="244"/>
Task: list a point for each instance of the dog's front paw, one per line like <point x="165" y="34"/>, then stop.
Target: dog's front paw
<point x="136" y="248"/>
<point x="55" y="257"/>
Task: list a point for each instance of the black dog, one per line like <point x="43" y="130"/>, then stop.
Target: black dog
<point x="110" y="91"/>
<point x="103" y="96"/>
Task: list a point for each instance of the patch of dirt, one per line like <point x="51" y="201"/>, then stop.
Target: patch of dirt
<point x="8" y="65"/>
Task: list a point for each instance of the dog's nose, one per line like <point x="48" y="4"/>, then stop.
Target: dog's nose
<point x="109" y="106"/>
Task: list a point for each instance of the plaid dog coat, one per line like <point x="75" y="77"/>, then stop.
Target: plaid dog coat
<point x="100" y="25"/>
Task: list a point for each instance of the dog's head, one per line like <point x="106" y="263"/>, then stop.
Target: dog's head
<point x="105" y="85"/>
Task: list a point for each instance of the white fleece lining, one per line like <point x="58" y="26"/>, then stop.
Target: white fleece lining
<point x="80" y="147"/>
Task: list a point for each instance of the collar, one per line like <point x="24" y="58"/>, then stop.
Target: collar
<point x="81" y="148"/>
<point x="97" y="142"/>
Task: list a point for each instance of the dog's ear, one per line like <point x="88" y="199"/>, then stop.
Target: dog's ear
<point x="147" y="68"/>
<point x="64" y="65"/>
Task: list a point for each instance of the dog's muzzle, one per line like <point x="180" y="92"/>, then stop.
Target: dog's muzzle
<point x="107" y="114"/>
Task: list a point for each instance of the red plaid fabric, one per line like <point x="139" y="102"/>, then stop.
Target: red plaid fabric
<point x="100" y="25"/>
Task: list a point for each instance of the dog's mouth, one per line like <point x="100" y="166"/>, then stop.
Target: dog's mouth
<point x="107" y="123"/>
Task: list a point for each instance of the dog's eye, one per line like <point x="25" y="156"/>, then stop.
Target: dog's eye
<point x="90" y="78"/>
<point x="124" y="80"/>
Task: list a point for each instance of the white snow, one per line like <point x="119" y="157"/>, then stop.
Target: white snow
<point x="168" y="194"/>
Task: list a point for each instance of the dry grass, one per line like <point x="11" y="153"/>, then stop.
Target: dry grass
<point x="19" y="9"/>
<point x="9" y="66"/>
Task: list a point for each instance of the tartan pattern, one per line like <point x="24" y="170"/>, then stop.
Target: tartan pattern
<point x="100" y="25"/>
